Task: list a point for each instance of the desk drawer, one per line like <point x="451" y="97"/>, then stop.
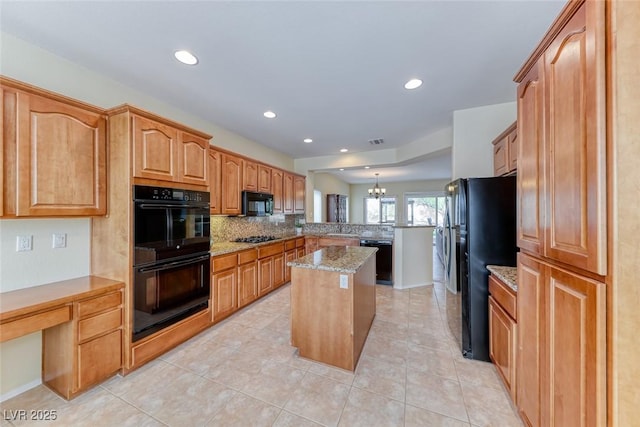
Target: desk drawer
<point x="98" y="304"/>
<point x="96" y="325"/>
<point x="35" y="322"/>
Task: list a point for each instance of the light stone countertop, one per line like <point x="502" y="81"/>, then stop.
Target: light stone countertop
<point x="223" y="248"/>
<point x="342" y="259"/>
<point x="507" y="274"/>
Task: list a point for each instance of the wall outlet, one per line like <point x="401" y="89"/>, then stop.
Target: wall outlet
<point x="24" y="243"/>
<point x="344" y="281"/>
<point x="59" y="240"/>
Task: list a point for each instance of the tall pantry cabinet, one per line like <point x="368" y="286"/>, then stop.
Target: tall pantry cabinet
<point x="562" y="223"/>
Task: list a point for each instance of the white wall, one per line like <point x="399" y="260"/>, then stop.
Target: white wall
<point x="473" y="131"/>
<point x="398" y="189"/>
<point x="20" y="358"/>
<point x="329" y="184"/>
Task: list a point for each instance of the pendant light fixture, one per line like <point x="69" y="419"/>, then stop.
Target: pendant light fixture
<point x="376" y="191"/>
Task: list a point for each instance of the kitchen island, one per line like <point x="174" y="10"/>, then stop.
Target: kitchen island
<point x="333" y="303"/>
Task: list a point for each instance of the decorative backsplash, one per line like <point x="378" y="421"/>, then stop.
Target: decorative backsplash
<point x="360" y="229"/>
<point x="228" y="228"/>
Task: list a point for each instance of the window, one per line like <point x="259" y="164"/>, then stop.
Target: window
<point x="425" y="208"/>
<point x="380" y="211"/>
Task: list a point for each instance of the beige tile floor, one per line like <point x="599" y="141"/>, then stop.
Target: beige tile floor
<point x="243" y="372"/>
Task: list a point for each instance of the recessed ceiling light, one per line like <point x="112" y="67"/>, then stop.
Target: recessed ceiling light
<point x="186" y="57"/>
<point x="341" y="169"/>
<point x="413" y="84"/>
<point x="269" y="114"/>
<point x="343" y="150"/>
<point x="367" y="167"/>
<point x="308" y="140"/>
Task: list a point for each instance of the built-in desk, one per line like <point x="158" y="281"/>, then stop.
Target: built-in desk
<point x="81" y="321"/>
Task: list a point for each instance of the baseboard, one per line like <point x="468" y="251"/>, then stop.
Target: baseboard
<point x="16" y="391"/>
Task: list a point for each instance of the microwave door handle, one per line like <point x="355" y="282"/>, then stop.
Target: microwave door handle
<point x="173" y="264"/>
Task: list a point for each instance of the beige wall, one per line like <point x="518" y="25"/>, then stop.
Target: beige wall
<point x="20" y="359"/>
<point x="329" y="184"/>
<point x="398" y="189"/>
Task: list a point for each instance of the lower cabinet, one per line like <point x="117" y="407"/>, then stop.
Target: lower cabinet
<point x="247" y="277"/>
<point x="265" y="275"/>
<point x="224" y="286"/>
<point x="502" y="344"/>
<point x="561" y="346"/>
<point x="87" y="350"/>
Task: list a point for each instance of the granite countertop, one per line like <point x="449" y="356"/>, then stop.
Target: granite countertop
<point x="342" y="259"/>
<point x="507" y="274"/>
<point x="222" y="248"/>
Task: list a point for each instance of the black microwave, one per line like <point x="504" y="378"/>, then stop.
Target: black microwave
<point x="257" y="204"/>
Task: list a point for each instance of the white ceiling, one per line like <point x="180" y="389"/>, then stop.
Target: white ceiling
<point x="332" y="70"/>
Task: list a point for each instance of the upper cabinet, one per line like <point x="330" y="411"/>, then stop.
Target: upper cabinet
<point x="164" y="152"/>
<point x="231" y="181"/>
<point x="53" y="154"/>
<point x="574" y="85"/>
<point x="287" y="193"/>
<point x="299" y="190"/>
<point x="264" y="179"/>
<point x="215" y="180"/>
<point x="277" y="181"/>
<point x="250" y="176"/>
<point x="505" y="151"/>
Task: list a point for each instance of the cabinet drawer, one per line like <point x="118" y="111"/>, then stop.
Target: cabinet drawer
<point x="223" y="262"/>
<point x="504" y="296"/>
<point x="300" y="242"/>
<point x="98" y="304"/>
<point x="269" y="250"/>
<point x="96" y="325"/>
<point x="289" y="244"/>
<point x="99" y="359"/>
<point x="33" y="323"/>
<point x="247" y="256"/>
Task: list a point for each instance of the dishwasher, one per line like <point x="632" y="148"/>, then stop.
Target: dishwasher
<point x="384" y="259"/>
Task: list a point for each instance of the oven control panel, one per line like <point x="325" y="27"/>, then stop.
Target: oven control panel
<point x="141" y="192"/>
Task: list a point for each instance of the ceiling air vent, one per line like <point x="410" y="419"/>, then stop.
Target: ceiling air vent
<point x="377" y="141"/>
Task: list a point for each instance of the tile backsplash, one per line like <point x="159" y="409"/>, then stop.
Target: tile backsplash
<point x="228" y="228"/>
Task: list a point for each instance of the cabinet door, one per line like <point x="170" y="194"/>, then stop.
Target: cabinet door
<point x="98" y="359"/>
<point x="513" y="150"/>
<point x="194" y="167"/>
<point x="577" y="350"/>
<point x="264" y="179"/>
<point x="289" y="256"/>
<point x="574" y="79"/>
<point x="250" y="176"/>
<point x="61" y="158"/>
<point x="215" y="184"/>
<point x="287" y="191"/>
<point x="247" y="283"/>
<point x="531" y="337"/>
<point x="299" y="188"/>
<point x="277" y="181"/>
<point x="501" y="157"/>
<point x="225" y="293"/>
<point x="278" y="270"/>
<point x="502" y="344"/>
<point x="265" y="275"/>
<point x="310" y="244"/>
<point x="155" y="150"/>
<point x="530" y="202"/>
<point x="231" y="184"/>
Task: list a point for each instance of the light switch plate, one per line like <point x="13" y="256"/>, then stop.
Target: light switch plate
<point x="59" y="240"/>
<point x="344" y="281"/>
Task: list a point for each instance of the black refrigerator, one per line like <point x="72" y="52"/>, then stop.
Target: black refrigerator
<point x="480" y="229"/>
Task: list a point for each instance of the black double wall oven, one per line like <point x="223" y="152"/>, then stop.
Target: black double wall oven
<point x="171" y="256"/>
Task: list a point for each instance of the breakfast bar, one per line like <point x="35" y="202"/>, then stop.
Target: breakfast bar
<point x="333" y="303"/>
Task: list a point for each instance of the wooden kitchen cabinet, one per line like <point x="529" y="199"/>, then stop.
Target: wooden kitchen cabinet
<point x="310" y="244"/>
<point x="250" y="176"/>
<point x="505" y="151"/>
<point x="193" y="158"/>
<point x="265" y="276"/>
<point x="215" y="182"/>
<point x="54" y="153"/>
<point x="155" y="150"/>
<point x="575" y="142"/>
<point x="87" y="350"/>
<point x="287" y="193"/>
<point x="264" y="179"/>
<point x="503" y="330"/>
<point x="279" y="267"/>
<point x="299" y="190"/>
<point x="231" y="184"/>
<point x="247" y="277"/>
<point x="277" y="182"/>
<point x="270" y="267"/>
<point x="530" y="180"/>
<point x="224" y="286"/>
